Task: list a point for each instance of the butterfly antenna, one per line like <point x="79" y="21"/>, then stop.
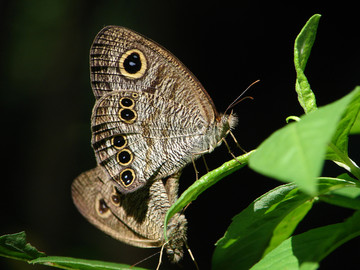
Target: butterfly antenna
<point x="239" y="98"/>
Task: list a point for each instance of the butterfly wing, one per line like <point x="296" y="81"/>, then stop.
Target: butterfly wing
<point x="131" y="218"/>
<point x="152" y="116"/>
<point x="136" y="218"/>
<point x="158" y="72"/>
<point x="160" y="140"/>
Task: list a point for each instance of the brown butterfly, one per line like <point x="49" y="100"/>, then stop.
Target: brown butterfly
<point x="151" y="118"/>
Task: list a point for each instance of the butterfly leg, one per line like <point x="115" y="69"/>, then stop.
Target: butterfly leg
<point x="231" y="153"/>
<point x="191" y="255"/>
<point x="236" y="142"/>
<point x="196" y="171"/>
<point x="206" y="166"/>
<point x="161" y="254"/>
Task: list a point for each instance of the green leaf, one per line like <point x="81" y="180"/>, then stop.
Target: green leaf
<point x="296" y="152"/>
<point x="356" y="126"/>
<point x="203" y="184"/>
<point x="302" y="49"/>
<point x="306" y="250"/>
<point x="338" y="149"/>
<point x="288" y="224"/>
<point x="340" y="139"/>
<point x="81" y="264"/>
<point x="266" y="223"/>
<point x="348" y="197"/>
<point x="251" y="231"/>
<point x="15" y="246"/>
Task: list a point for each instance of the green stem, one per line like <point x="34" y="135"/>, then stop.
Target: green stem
<point x="205" y="182"/>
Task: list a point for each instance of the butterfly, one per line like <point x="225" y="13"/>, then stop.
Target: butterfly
<point x="151" y="118"/>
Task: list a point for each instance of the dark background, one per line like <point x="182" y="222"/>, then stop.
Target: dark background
<point x="46" y="103"/>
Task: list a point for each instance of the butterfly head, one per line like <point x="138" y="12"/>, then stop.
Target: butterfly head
<point x="229" y="121"/>
<point x="223" y="125"/>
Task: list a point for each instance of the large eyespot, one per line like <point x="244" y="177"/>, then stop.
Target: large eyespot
<point x="127" y="177"/>
<point x="127" y="115"/>
<point x="119" y="141"/>
<point x="133" y="64"/>
<point x="126" y="102"/>
<point x="124" y="157"/>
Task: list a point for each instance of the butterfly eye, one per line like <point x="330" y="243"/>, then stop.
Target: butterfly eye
<point x="133" y="64"/>
<point x="127" y="177"/>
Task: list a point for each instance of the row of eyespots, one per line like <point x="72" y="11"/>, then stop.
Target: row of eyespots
<point x="124" y="157"/>
<point x="101" y="206"/>
<point x="127" y="113"/>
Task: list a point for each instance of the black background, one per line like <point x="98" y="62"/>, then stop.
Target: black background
<point x="46" y="103"/>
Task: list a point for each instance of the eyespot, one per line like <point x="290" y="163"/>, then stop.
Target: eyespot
<point x="119" y="141"/>
<point x="124" y="157"/>
<point x="115" y="197"/>
<point x="102" y="208"/>
<point x="133" y="64"/>
<point x="126" y="102"/>
<point x="127" y="177"/>
<point x="127" y="115"/>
